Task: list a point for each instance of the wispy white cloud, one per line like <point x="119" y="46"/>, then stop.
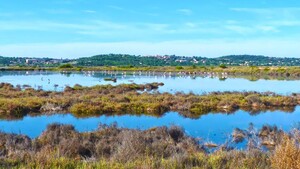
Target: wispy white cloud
<point x="266" y="28"/>
<point x="39" y="25"/>
<point x="286" y="23"/>
<point x="109" y="30"/>
<point x="89" y="11"/>
<point x="271" y="13"/>
<point x="116" y="7"/>
<point x="191" y="24"/>
<point x="122" y="9"/>
<point x="210" y="48"/>
<point x="185" y="11"/>
<point x="102" y="28"/>
<point x="251" y="29"/>
<point x="239" y="29"/>
<point x="263" y="26"/>
<point x="131" y="11"/>
<point x="266" y="10"/>
<point x="266" y="20"/>
<point x="155" y="26"/>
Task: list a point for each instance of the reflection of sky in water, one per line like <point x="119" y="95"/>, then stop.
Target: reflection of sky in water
<point x="172" y="84"/>
<point x="215" y="127"/>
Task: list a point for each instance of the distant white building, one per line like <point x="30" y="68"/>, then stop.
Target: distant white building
<point x="31" y="61"/>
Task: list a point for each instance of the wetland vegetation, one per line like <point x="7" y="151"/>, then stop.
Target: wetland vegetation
<point x="133" y="99"/>
<point x="61" y="146"/>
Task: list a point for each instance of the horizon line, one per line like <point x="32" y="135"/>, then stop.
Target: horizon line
<point x="139" y="55"/>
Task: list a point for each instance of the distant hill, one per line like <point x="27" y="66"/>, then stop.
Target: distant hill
<point x="120" y="60"/>
<point x="28" y="61"/>
<point x="234" y="60"/>
<point x="258" y="60"/>
<point x="132" y="60"/>
<point x="164" y="60"/>
<point x="6" y="61"/>
<point x="244" y="57"/>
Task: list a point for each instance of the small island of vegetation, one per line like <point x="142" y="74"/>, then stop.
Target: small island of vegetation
<point x="131" y="99"/>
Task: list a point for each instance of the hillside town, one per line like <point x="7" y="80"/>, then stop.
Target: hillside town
<point x="155" y="60"/>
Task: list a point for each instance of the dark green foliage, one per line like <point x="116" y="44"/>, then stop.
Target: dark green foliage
<point x="66" y="66"/>
<point x="179" y="67"/>
<point x="6" y="61"/>
<point x="129" y="61"/>
<point x="223" y="66"/>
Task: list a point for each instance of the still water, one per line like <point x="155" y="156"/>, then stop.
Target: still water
<point x="215" y="127"/>
<point x="173" y="82"/>
<point x="212" y="127"/>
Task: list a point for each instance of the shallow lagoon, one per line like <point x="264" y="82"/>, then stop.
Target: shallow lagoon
<point x="215" y="127"/>
<point x="173" y="82"/>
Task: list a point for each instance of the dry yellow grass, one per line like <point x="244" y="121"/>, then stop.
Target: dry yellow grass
<point x="286" y="155"/>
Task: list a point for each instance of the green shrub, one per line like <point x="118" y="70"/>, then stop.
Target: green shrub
<point x="66" y="66"/>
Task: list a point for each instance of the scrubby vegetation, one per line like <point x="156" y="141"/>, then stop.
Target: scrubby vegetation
<point x="66" y="66"/>
<point x="61" y="146"/>
<point x="131" y="99"/>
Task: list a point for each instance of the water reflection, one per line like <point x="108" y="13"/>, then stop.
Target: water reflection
<point x="186" y="82"/>
<point x="211" y="127"/>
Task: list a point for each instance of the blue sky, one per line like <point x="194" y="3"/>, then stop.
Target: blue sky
<point x="75" y="28"/>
